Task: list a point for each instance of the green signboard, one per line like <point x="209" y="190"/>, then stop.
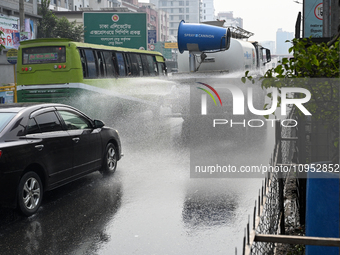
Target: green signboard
<point x="126" y="30"/>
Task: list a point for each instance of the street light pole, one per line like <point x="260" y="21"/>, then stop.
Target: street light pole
<point x="22" y="15"/>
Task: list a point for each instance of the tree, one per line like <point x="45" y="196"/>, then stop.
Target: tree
<point x="1" y="41"/>
<point x="47" y="24"/>
<point x="66" y="29"/>
<point x="310" y="60"/>
<point x="51" y="26"/>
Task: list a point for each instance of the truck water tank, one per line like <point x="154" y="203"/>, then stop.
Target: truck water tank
<point x="201" y="37"/>
<point x="240" y="56"/>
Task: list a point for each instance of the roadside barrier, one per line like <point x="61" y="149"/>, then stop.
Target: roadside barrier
<point x="278" y="218"/>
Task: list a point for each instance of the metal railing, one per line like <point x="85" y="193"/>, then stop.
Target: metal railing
<point x="273" y="213"/>
<point x="269" y="210"/>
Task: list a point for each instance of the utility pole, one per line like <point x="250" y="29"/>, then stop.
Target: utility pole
<point x="22" y="15"/>
<point x="326" y="18"/>
<point x="335" y="17"/>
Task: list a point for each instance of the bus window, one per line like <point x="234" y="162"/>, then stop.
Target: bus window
<point x="139" y="60"/>
<point x="127" y="64"/>
<point x="101" y="63"/>
<point x="110" y="69"/>
<point x="91" y="63"/>
<point x="83" y="62"/>
<point x="115" y="64"/>
<point x="121" y="64"/>
<point x="145" y="65"/>
<point x="161" y="69"/>
<point x="136" y="65"/>
<point x="43" y="55"/>
<point x="151" y="65"/>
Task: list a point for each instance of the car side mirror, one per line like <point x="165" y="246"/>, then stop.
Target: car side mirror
<point x="98" y="124"/>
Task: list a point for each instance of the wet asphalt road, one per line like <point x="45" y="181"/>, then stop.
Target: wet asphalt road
<point x="149" y="206"/>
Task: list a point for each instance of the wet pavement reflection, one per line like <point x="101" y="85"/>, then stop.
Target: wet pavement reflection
<point x="71" y="219"/>
<point x="149" y="206"/>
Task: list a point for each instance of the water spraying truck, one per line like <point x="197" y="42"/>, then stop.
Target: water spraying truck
<point x="205" y="52"/>
<point x="210" y="48"/>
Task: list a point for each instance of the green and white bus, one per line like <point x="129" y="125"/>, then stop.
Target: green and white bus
<point x="60" y="70"/>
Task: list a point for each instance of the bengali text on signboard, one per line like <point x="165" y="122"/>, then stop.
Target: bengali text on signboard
<point x="116" y="29"/>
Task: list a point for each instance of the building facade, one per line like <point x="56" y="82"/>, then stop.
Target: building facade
<point x="208" y="10"/>
<point x="152" y="23"/>
<point x="158" y="21"/>
<point x="59" y="5"/>
<point x="282" y="46"/>
<point x="103" y="4"/>
<point x="151" y="16"/>
<point x="187" y="10"/>
<point x="163" y="26"/>
<point x="230" y="20"/>
<point x="131" y="5"/>
<point x="10" y="26"/>
<point x="77" y="5"/>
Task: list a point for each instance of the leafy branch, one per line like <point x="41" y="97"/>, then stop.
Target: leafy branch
<point x="309" y="60"/>
<point x="51" y="26"/>
<point x="317" y="68"/>
<point x="2" y="40"/>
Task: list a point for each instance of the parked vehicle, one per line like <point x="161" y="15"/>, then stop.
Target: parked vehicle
<point x="44" y="146"/>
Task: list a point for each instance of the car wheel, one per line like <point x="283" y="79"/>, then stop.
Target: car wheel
<point x="110" y="160"/>
<point x="30" y="193"/>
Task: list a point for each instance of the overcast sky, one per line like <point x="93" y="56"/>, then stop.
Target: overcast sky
<point x="262" y="17"/>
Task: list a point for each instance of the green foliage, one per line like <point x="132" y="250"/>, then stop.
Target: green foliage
<point x="317" y="68"/>
<point x="51" y="26"/>
<point x="1" y="40"/>
<point x="310" y="60"/>
<point x="66" y="29"/>
<point x="297" y="249"/>
<point x="48" y="22"/>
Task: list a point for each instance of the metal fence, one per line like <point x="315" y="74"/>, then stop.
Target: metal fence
<point x="271" y="208"/>
<point x="279" y="212"/>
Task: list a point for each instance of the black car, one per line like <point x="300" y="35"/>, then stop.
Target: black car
<point x="44" y="146"/>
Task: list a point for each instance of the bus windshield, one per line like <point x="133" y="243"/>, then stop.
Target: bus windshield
<point x="42" y="55"/>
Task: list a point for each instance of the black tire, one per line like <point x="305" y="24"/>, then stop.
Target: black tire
<point x="30" y="193"/>
<point x="110" y="160"/>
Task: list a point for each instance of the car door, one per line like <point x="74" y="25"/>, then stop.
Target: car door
<point x="86" y="141"/>
<point x="54" y="149"/>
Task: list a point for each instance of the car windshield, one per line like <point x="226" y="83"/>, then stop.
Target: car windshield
<point x="5" y="118"/>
